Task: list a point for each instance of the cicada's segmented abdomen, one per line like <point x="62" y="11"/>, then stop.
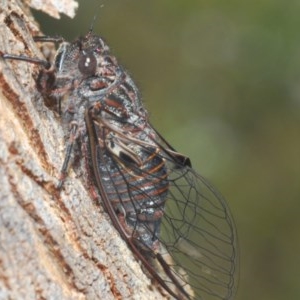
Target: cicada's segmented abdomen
<point x="137" y="187"/>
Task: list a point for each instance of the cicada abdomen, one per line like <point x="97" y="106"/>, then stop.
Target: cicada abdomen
<point x="120" y="166"/>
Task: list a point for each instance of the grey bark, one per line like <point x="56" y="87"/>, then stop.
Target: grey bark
<point x="53" y="244"/>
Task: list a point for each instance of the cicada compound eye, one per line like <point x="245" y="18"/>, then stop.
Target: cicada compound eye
<point x="87" y="63"/>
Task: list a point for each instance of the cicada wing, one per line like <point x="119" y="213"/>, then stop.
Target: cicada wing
<point x="198" y="230"/>
<point x="199" y="234"/>
<point x="172" y="218"/>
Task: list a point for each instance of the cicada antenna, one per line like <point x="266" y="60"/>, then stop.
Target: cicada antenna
<point x="95" y="18"/>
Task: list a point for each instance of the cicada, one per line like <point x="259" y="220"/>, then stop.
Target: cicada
<point x="173" y="220"/>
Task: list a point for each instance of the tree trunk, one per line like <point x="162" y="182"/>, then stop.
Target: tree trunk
<point x="53" y="244"/>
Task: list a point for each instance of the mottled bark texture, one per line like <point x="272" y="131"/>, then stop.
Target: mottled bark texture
<point x="53" y="244"/>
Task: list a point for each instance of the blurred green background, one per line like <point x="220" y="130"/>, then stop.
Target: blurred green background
<point x="221" y="80"/>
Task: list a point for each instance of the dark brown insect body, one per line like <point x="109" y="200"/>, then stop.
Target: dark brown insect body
<point x="172" y="219"/>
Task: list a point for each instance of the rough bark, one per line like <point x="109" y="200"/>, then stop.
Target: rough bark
<point x="53" y="244"/>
